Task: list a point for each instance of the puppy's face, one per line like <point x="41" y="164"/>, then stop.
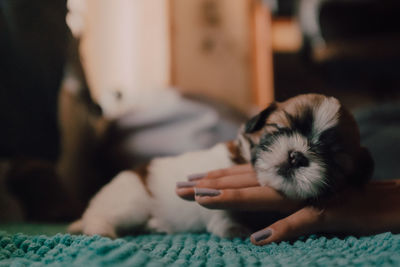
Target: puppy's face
<point x="306" y="146"/>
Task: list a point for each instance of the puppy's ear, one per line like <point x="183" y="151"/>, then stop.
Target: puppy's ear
<point x="364" y="167"/>
<point x="258" y="121"/>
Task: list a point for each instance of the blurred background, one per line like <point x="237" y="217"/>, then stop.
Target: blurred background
<point x="91" y="87"/>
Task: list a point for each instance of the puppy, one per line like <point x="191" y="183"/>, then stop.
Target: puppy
<point x="309" y="147"/>
<point x="305" y="147"/>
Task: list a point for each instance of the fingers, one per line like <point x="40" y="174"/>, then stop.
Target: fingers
<point x="185" y="193"/>
<point x="250" y="199"/>
<point x="383" y="185"/>
<point x="230" y="182"/>
<point x="186" y="189"/>
<point x="305" y="221"/>
<point x="234" y="170"/>
<point x="238" y="176"/>
<point x="235" y="188"/>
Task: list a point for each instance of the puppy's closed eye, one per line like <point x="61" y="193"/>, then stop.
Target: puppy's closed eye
<point x="258" y="122"/>
<point x="274" y="125"/>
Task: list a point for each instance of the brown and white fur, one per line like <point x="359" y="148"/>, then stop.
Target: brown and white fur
<point x="150" y="203"/>
<point x="147" y="200"/>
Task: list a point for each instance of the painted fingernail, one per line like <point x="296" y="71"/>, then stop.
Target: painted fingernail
<point x="206" y="192"/>
<point x="262" y="235"/>
<point x="185" y="184"/>
<point x="196" y="176"/>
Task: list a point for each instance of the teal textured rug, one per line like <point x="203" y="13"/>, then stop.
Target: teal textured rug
<point x="195" y="250"/>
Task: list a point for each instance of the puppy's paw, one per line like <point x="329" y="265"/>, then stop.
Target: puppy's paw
<point x="228" y="229"/>
<point x="76" y="227"/>
<point x="100" y="228"/>
<point x="156" y="226"/>
<point x="236" y="231"/>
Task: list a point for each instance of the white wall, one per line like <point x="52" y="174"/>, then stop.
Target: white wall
<point x="125" y="47"/>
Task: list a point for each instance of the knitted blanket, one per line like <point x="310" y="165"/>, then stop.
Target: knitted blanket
<point x="195" y="250"/>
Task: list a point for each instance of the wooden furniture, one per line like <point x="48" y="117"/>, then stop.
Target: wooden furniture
<point x="222" y="49"/>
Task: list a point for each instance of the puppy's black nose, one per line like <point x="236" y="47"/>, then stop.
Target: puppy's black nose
<point x="297" y="159"/>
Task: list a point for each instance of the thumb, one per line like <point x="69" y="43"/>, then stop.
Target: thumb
<point x="305" y="221"/>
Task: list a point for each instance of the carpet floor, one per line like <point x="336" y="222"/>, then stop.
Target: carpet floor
<point x="17" y="249"/>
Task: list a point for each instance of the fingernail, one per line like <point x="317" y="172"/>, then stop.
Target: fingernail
<point x="185" y="184"/>
<point x="206" y="192"/>
<point x="196" y="176"/>
<point x="262" y="235"/>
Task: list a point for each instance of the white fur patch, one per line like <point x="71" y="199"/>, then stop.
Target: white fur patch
<point x="307" y="181"/>
<point x="171" y="212"/>
<point x="121" y="203"/>
<point x="326" y="116"/>
<point x="76" y="16"/>
<point x="244" y="146"/>
<point x="125" y="202"/>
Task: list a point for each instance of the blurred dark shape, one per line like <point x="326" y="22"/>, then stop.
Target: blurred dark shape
<point x="350" y="20"/>
<point x="380" y="132"/>
<point x="33" y="46"/>
<point x="42" y="197"/>
<point x="285" y="8"/>
<point x="350" y="50"/>
<point x="36" y="50"/>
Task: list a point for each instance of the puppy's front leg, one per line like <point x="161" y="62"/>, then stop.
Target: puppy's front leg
<point x="123" y="204"/>
<point x="223" y="225"/>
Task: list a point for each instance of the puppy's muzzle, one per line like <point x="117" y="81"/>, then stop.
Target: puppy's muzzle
<point x="297" y="159"/>
<point x="294" y="161"/>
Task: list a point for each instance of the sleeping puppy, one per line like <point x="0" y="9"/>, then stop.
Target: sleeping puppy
<point x="306" y="147"/>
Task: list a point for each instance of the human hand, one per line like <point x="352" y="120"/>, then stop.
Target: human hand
<point x="234" y="188"/>
<point x="376" y="208"/>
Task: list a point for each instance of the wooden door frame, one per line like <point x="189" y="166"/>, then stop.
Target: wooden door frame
<point x="262" y="81"/>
